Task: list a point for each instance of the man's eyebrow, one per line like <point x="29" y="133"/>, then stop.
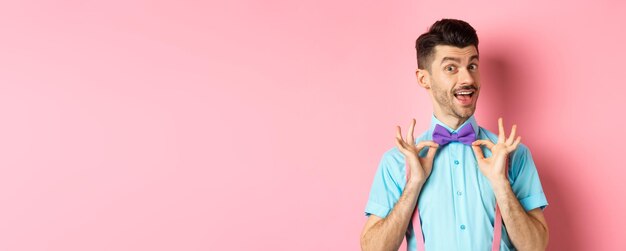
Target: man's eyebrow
<point x="444" y="59"/>
<point x="458" y="60"/>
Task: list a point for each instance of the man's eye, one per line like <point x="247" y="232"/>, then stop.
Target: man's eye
<point x="473" y="67"/>
<point x="450" y="68"/>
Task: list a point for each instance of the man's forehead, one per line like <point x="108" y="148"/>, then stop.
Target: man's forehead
<point x="442" y="51"/>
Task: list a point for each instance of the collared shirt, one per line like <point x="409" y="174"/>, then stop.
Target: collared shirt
<point x="457" y="203"/>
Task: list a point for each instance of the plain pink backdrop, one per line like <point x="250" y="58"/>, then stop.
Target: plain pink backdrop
<point x="258" y="125"/>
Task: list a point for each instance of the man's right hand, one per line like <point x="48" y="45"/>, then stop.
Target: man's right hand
<point x="420" y="168"/>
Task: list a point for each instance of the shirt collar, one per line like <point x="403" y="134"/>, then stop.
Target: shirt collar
<point x="434" y="121"/>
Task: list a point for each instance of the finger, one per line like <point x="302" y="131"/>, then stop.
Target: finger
<point x="517" y="141"/>
<point x="425" y="143"/>
<point x="478" y="152"/>
<point x="500" y="130"/>
<point x="409" y="137"/>
<point x="509" y="141"/>
<point x="427" y="162"/>
<point x="487" y="143"/>
<point x="398" y="133"/>
<point x="432" y="150"/>
<point x="400" y="144"/>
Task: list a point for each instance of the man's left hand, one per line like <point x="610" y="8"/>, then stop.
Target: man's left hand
<point x="494" y="167"/>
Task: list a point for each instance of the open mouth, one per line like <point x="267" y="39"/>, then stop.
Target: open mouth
<point x="464" y="97"/>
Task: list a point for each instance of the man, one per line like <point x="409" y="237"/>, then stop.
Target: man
<point x="455" y="172"/>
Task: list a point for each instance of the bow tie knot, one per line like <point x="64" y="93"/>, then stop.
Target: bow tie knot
<point x="465" y="135"/>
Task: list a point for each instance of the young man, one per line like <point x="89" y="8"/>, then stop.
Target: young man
<point x="458" y="170"/>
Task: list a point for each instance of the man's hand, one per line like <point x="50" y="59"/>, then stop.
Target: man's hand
<point x="420" y="168"/>
<point x="494" y="167"/>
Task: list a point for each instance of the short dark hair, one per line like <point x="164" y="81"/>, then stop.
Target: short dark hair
<point x="452" y="32"/>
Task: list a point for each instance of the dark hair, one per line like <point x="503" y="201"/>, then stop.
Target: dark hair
<point x="452" y="32"/>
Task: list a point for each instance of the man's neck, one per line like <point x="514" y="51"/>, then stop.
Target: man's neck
<point x="451" y="121"/>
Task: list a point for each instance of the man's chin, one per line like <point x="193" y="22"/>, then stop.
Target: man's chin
<point x="465" y="112"/>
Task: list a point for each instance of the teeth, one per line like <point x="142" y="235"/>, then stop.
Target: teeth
<point x="464" y="93"/>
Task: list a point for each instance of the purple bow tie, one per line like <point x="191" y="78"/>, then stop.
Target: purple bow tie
<point x="465" y="135"/>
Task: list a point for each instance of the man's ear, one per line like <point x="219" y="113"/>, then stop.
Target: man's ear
<point x="423" y="78"/>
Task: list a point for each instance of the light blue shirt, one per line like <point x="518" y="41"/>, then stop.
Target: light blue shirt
<point x="457" y="203"/>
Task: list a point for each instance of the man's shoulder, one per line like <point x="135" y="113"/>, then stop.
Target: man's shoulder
<point x="393" y="155"/>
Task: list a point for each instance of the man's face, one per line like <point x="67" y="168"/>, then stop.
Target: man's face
<point x="455" y="80"/>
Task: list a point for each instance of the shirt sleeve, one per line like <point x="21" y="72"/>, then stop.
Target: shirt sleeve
<point x="387" y="186"/>
<point x="525" y="180"/>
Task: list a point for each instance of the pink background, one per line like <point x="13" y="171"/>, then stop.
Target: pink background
<point x="258" y="125"/>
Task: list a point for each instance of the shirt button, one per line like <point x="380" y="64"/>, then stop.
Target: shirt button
<point x="462" y="227"/>
<point x="456" y="162"/>
<point x="459" y="193"/>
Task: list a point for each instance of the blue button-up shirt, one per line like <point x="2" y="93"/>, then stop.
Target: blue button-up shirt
<point x="457" y="203"/>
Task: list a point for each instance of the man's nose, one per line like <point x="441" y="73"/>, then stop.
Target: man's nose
<point x="466" y="77"/>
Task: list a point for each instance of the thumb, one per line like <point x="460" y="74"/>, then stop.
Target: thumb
<point x="427" y="161"/>
<point x="432" y="150"/>
<point x="478" y="152"/>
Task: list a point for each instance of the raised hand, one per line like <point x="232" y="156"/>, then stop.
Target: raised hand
<point x="494" y="167"/>
<point x="420" y="168"/>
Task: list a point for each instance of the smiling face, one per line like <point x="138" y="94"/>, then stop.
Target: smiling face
<point x="453" y="81"/>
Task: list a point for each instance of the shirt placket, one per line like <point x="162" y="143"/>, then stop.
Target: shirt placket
<point x="458" y="192"/>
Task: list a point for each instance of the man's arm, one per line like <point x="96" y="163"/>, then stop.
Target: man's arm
<point x="387" y="233"/>
<point x="527" y="230"/>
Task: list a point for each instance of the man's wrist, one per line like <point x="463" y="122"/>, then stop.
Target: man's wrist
<point x="500" y="184"/>
<point x="415" y="182"/>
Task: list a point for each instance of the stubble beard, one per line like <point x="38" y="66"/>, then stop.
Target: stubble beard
<point x="446" y="102"/>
